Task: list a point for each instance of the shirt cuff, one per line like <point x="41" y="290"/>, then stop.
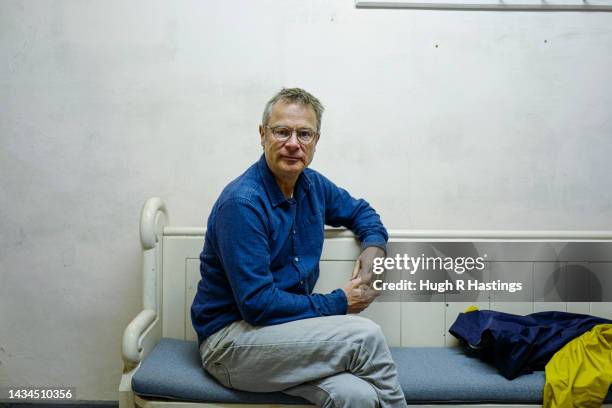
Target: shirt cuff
<point x="374" y="240"/>
<point x="339" y="301"/>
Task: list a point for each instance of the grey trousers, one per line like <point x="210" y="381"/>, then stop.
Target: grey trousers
<point x="332" y="361"/>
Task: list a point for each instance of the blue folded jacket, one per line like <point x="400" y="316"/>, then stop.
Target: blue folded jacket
<point x="517" y="344"/>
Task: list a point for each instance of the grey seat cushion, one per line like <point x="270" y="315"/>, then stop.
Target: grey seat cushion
<point x="427" y="374"/>
<point x="174" y="370"/>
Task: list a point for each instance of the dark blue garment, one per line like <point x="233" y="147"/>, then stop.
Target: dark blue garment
<point x="516" y="344"/>
<point x="261" y="254"/>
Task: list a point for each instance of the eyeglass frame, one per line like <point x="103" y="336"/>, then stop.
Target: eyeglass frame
<point x="293" y="131"/>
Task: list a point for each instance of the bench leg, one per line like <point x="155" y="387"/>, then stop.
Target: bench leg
<point x="126" y="395"/>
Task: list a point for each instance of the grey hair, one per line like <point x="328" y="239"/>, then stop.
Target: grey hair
<point x="294" y="95"/>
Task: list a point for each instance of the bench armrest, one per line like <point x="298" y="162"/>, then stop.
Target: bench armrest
<point x="140" y="336"/>
<point x="144" y="331"/>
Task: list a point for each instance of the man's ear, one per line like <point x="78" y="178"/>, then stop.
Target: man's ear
<point x="262" y="134"/>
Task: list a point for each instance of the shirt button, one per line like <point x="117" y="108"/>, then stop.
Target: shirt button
<point x="296" y="259"/>
<point x="301" y="282"/>
<point x="293" y="232"/>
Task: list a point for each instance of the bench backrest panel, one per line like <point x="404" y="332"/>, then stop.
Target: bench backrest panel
<point x="406" y="323"/>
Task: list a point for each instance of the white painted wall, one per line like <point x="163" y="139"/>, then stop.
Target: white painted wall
<point x="441" y="119"/>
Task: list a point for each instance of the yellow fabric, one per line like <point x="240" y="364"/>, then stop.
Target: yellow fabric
<point x="580" y="374"/>
<point x="471" y="309"/>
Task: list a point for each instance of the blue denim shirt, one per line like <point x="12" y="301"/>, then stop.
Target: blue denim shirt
<point x="261" y="254"/>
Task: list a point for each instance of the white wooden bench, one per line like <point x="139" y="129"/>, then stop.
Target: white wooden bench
<point x="171" y="273"/>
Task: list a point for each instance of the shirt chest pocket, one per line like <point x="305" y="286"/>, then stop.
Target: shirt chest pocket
<point x="315" y="220"/>
<point x="313" y="230"/>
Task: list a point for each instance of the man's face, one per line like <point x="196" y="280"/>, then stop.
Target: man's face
<point x="287" y="159"/>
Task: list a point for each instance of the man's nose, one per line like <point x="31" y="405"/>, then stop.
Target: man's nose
<point x="293" y="140"/>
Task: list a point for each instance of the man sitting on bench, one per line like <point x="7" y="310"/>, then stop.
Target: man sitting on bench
<point x="260" y="326"/>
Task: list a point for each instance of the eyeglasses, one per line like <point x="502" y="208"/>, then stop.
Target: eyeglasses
<point x="283" y="133"/>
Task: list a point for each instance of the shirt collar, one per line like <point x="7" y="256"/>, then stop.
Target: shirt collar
<point x="274" y="192"/>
